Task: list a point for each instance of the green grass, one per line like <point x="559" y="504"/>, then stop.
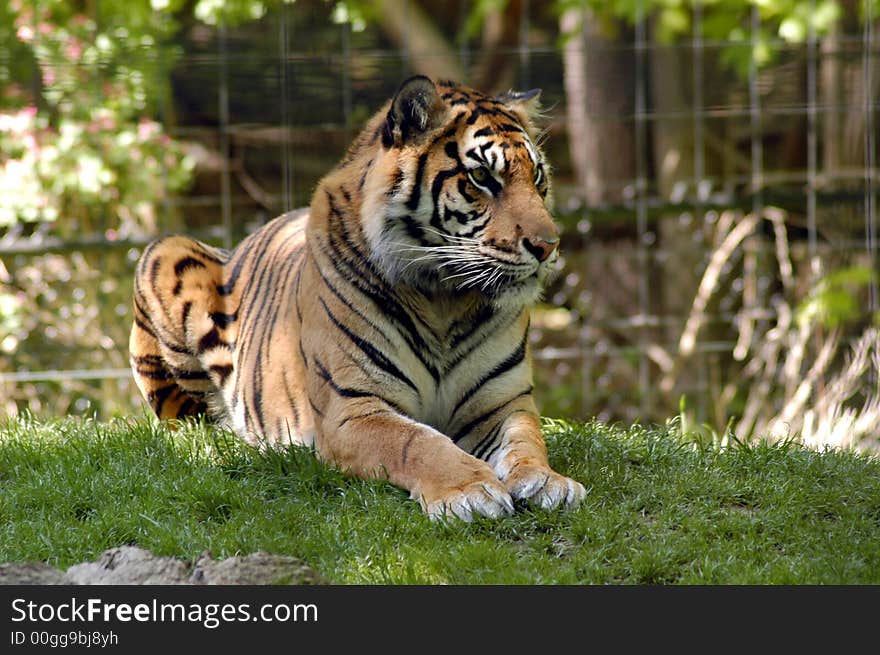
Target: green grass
<point x="659" y="509"/>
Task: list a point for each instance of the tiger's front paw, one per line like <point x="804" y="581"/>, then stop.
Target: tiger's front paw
<point x="479" y="498"/>
<point x="544" y="487"/>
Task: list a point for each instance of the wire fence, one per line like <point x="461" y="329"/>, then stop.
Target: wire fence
<point x="266" y="108"/>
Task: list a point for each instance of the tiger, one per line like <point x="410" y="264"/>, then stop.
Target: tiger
<point x="386" y="325"/>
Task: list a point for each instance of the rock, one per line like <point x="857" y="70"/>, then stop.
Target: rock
<point x="256" y="569"/>
<point x="130" y="565"/>
<point x="38" y="573"/>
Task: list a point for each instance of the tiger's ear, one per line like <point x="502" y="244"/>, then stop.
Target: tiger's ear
<point x="526" y="103"/>
<point x="417" y="109"/>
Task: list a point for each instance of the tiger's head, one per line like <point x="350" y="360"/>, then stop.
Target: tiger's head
<point x="457" y="198"/>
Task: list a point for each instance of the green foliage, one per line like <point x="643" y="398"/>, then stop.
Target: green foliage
<point x="355" y="13"/>
<point x="79" y="141"/>
<point x="105" y="171"/>
<point x="224" y="12"/>
<point x="78" y="134"/>
<point x="727" y="21"/>
<point x="701" y="435"/>
<point x="479" y="10"/>
<point x="836" y="300"/>
<point x="82" y="154"/>
<point x="660" y="509"/>
<point x="85" y="152"/>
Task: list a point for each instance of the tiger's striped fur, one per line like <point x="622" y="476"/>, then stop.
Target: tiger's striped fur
<point x="386" y="325"/>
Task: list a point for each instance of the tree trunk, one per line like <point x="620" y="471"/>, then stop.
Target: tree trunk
<point x="844" y="132"/>
<point x="494" y="71"/>
<point x="412" y="29"/>
<point x="599" y="100"/>
<point x="673" y="149"/>
<point x="673" y="138"/>
<point x="831" y="89"/>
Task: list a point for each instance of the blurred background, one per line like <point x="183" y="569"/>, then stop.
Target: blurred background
<point x="716" y="180"/>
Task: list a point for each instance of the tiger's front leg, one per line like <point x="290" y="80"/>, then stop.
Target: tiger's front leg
<point x="371" y="440"/>
<point x="521" y="463"/>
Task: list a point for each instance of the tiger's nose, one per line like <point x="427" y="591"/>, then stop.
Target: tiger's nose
<point x="540" y="247"/>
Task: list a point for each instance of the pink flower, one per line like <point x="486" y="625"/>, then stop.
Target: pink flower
<point x="25" y="34"/>
<point x="48" y="76"/>
<point x="73" y="49"/>
<point x="102" y="119"/>
<point x="19" y="123"/>
<point x="147" y="129"/>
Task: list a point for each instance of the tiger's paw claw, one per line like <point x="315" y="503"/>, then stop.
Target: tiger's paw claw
<point x="481" y="498"/>
<point x="545" y="488"/>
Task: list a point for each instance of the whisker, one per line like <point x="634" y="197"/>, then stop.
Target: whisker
<point x="461" y="260"/>
<point x="488" y="281"/>
<point x="463" y="264"/>
<point x="434" y="249"/>
<point x="468" y="269"/>
<point x="413" y="261"/>
<point x="452" y="277"/>
<point x="451" y="237"/>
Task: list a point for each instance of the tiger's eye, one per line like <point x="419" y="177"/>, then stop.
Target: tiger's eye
<point x="480" y="175"/>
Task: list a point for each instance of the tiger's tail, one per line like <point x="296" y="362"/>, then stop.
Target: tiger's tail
<point x="180" y="347"/>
